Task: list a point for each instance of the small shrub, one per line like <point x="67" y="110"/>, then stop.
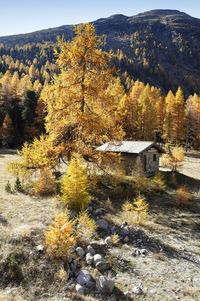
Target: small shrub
<point x="75" y="185"/>
<point x="136" y="212"/>
<point x="8" y="187"/>
<point x="174" y="160"/>
<point x="115" y="238"/>
<point x="61" y="275"/>
<point x="86" y="225"/>
<point x="46" y="184"/>
<point x="158" y="182"/>
<point x="182" y="196"/>
<point x="60" y="239"/>
<point x="108" y="204"/>
<point x="18" y="185"/>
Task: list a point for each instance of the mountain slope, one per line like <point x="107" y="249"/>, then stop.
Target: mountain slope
<point x="160" y="46"/>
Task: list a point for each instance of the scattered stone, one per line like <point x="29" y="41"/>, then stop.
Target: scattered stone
<point x="90" y="284"/>
<point x="80" y="252"/>
<point x="127" y="293"/>
<point x="69" y="258"/>
<point x="137" y="290"/>
<point x="102" y="266"/>
<point x="99" y="211"/>
<point x="3" y="220"/>
<point x="97" y="258"/>
<point x="105" y="285"/>
<point x="89" y="258"/>
<point x="90" y="250"/>
<point x="94" y="244"/>
<point x="83" y="277"/>
<point x="102" y="223"/>
<point x="108" y="240"/>
<point x="73" y="265"/>
<point x="102" y="245"/>
<point x="124" y="224"/>
<point x="43" y="266"/>
<point x="40" y="248"/>
<point x="112" y="230"/>
<point x="80" y="289"/>
<point x="126" y="239"/>
<point x="124" y="232"/>
<point x="143" y="251"/>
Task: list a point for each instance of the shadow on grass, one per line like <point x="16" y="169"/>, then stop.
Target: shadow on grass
<point x="5" y="151"/>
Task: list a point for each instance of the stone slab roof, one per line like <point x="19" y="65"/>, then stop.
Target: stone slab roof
<point x="131" y="147"/>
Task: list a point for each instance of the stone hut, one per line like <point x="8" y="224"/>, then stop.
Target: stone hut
<point x="136" y="156"/>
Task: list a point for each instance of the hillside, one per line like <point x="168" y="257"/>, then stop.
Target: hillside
<point x="157" y="260"/>
<point x="160" y="46"/>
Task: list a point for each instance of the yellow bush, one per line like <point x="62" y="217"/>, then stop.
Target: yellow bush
<point x="86" y="226"/>
<point x="174" y="160"/>
<point x="136" y="212"/>
<point x="115" y="238"/>
<point x="182" y="196"/>
<point x="75" y="185"/>
<point x="60" y="238"/>
<point x="46" y="184"/>
<point x="158" y="182"/>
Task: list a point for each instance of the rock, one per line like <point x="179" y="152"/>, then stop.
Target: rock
<point x="124" y="232"/>
<point x="80" y="289"/>
<point x="127" y="293"/>
<point x="137" y="290"/>
<point x="69" y="258"/>
<point x="73" y="265"/>
<point x="94" y="244"/>
<point x="102" y="245"/>
<point x="102" y="266"/>
<point x="143" y="251"/>
<point x="90" y="284"/>
<point x="89" y="258"/>
<point x="43" y="266"/>
<point x="108" y="240"/>
<point x="90" y="250"/>
<point x="80" y="252"/>
<point x="126" y="239"/>
<point x="83" y="277"/>
<point x="112" y="230"/>
<point x="105" y="285"/>
<point x="40" y="248"/>
<point x="99" y="211"/>
<point x="3" y="220"/>
<point x="124" y="224"/>
<point x="102" y="224"/>
<point x="97" y="258"/>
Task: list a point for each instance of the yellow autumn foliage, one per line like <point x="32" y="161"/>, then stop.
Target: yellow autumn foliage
<point x="60" y="238"/>
<point x="75" y="185"/>
<point x="182" y="196"/>
<point x="86" y="226"/>
<point x="136" y="212"/>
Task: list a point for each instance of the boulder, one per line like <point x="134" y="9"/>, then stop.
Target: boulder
<point x="80" y="289"/>
<point x="83" y="277"/>
<point x="90" y="250"/>
<point x="89" y="258"/>
<point x="105" y="285"/>
<point x="97" y="258"/>
<point x="80" y="252"/>
<point x="102" y="223"/>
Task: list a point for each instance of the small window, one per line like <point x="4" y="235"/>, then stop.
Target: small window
<point x="154" y="157"/>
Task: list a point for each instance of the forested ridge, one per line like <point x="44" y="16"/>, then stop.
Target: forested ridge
<point x="159" y="47"/>
<point x="156" y="77"/>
